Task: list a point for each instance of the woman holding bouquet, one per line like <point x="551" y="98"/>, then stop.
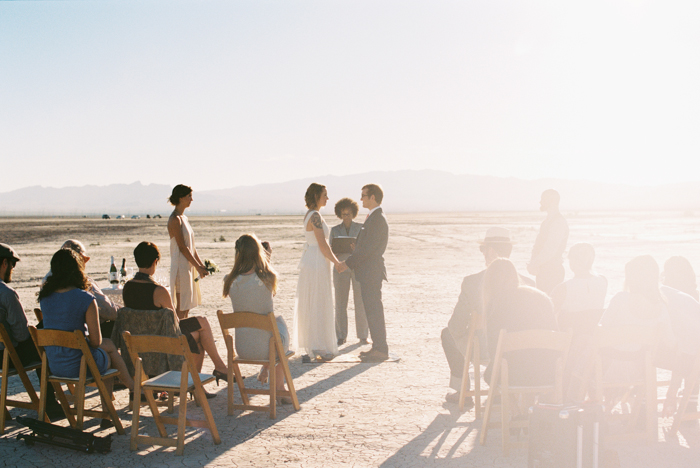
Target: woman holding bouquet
<point x="185" y="264"/>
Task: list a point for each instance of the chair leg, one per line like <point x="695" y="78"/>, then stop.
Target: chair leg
<point x="505" y="410"/>
<point x="290" y="384"/>
<point x="463" y="388"/>
<point x="477" y="380"/>
<point x="273" y="390"/>
<point x="182" y="415"/>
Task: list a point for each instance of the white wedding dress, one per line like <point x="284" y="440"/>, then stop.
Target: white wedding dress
<point x="314" y="312"/>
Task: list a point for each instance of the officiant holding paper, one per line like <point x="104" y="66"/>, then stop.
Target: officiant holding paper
<point x="342" y="241"/>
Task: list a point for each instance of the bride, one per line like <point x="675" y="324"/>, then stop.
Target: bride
<point x="314" y="318"/>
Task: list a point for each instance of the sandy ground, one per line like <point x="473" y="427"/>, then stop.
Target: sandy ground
<point x="362" y="415"/>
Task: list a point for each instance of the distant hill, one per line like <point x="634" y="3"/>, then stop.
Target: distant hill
<point x="405" y="191"/>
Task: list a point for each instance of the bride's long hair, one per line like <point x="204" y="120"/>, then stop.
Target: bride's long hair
<point x="250" y="255"/>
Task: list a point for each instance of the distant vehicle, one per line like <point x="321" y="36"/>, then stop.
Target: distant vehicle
<point x="157" y="216"/>
<point x="105" y="216"/>
<point x="136" y="217"/>
<point x="148" y="216"/>
<point x="121" y="217"/>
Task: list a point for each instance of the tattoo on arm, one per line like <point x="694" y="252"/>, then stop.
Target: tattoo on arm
<point x="316" y="221"/>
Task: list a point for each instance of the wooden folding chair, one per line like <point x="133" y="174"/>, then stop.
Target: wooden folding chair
<point x="75" y="414"/>
<point x="500" y="385"/>
<point x="682" y="412"/>
<point x="10" y="354"/>
<point x="608" y="343"/>
<point x="276" y="354"/>
<point x="473" y="356"/>
<point x="184" y="381"/>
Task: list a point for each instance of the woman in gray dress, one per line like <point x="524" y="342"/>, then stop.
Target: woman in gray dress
<point x="251" y="285"/>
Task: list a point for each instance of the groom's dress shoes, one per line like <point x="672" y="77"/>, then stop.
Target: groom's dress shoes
<point x="374" y="355"/>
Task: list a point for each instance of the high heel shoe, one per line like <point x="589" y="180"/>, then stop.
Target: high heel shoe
<point x="221" y="376"/>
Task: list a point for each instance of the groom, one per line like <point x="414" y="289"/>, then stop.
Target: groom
<point x="368" y="263"/>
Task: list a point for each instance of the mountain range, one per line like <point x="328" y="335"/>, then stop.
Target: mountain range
<point x="405" y="191"/>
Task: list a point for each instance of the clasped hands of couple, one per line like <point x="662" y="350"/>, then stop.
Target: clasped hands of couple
<point x="341" y="267"/>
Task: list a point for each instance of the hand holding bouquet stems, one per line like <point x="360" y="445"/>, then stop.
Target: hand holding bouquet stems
<point x="210" y="268"/>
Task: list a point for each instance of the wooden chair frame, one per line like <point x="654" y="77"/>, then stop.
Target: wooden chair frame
<point x="473" y="356"/>
<point x="518" y="341"/>
<point x="75" y="415"/>
<point x="276" y="355"/>
<point x="19" y="370"/>
<point x="183" y="381"/>
<point x="606" y="340"/>
<point x="691" y="381"/>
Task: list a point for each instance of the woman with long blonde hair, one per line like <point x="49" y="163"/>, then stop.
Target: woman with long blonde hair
<point x="251" y="286"/>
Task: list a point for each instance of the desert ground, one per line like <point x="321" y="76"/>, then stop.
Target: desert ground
<point x="360" y="415"/>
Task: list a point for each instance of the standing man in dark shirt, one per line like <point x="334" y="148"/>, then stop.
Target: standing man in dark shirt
<point x="547" y="261"/>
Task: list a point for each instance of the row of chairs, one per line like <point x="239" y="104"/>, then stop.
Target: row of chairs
<point x="185" y="381"/>
<point x="639" y="391"/>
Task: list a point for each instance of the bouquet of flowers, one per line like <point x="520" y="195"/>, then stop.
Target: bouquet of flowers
<point x="210" y="266"/>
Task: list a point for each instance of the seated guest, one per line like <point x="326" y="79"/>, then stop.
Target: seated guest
<point x="496" y="244"/>
<point x="251" y="285"/>
<point x="641" y="304"/>
<point x="679" y="274"/>
<point x="681" y="293"/>
<point x="106" y="309"/>
<point x="15" y="321"/>
<point x="580" y="301"/>
<point x="67" y="305"/>
<point x="143" y="293"/>
<point x="509" y="305"/>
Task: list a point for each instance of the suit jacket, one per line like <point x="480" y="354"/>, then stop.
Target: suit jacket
<point x="470" y="301"/>
<point x="368" y="258"/>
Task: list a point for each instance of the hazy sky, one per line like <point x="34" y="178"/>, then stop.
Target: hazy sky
<point x="217" y="94"/>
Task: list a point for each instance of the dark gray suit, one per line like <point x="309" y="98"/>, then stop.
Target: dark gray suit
<point x="367" y="262"/>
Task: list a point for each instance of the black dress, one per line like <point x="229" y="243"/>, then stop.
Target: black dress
<point x="139" y="296"/>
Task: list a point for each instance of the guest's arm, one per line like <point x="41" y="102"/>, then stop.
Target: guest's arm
<point x="92" y="319"/>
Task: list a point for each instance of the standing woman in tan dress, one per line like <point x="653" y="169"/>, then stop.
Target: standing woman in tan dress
<point x="185" y="264"/>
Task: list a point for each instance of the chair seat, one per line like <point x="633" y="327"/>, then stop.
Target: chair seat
<point x="171" y="379"/>
<point x="88" y="380"/>
<point x="261" y="361"/>
<point x="31" y="366"/>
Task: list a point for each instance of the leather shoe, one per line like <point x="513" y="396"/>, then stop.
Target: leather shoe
<point x="374" y="356"/>
<point x="341" y="341"/>
<point x="454" y="398"/>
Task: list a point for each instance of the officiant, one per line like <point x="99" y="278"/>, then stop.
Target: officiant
<point x="342" y="240"/>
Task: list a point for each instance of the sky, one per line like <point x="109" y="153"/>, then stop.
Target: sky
<point x="218" y="94"/>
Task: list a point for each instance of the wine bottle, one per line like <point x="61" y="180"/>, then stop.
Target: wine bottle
<point x="113" y="273"/>
<point x="122" y="272"/>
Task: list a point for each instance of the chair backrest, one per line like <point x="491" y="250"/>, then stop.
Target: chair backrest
<point x="155" y="344"/>
<point x="535" y="339"/>
<point x="10" y="352"/>
<point x="247" y="320"/>
<point x="624" y="336"/>
<point x="46" y="337"/>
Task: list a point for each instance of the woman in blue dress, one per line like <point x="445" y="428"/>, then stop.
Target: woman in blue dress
<point x="66" y="305"/>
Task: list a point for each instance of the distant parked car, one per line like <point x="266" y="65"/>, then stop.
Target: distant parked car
<point x="157" y="216"/>
<point x="136" y="217"/>
<point x="105" y="216"/>
<point x="121" y="217"/>
<point x="148" y="216"/>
